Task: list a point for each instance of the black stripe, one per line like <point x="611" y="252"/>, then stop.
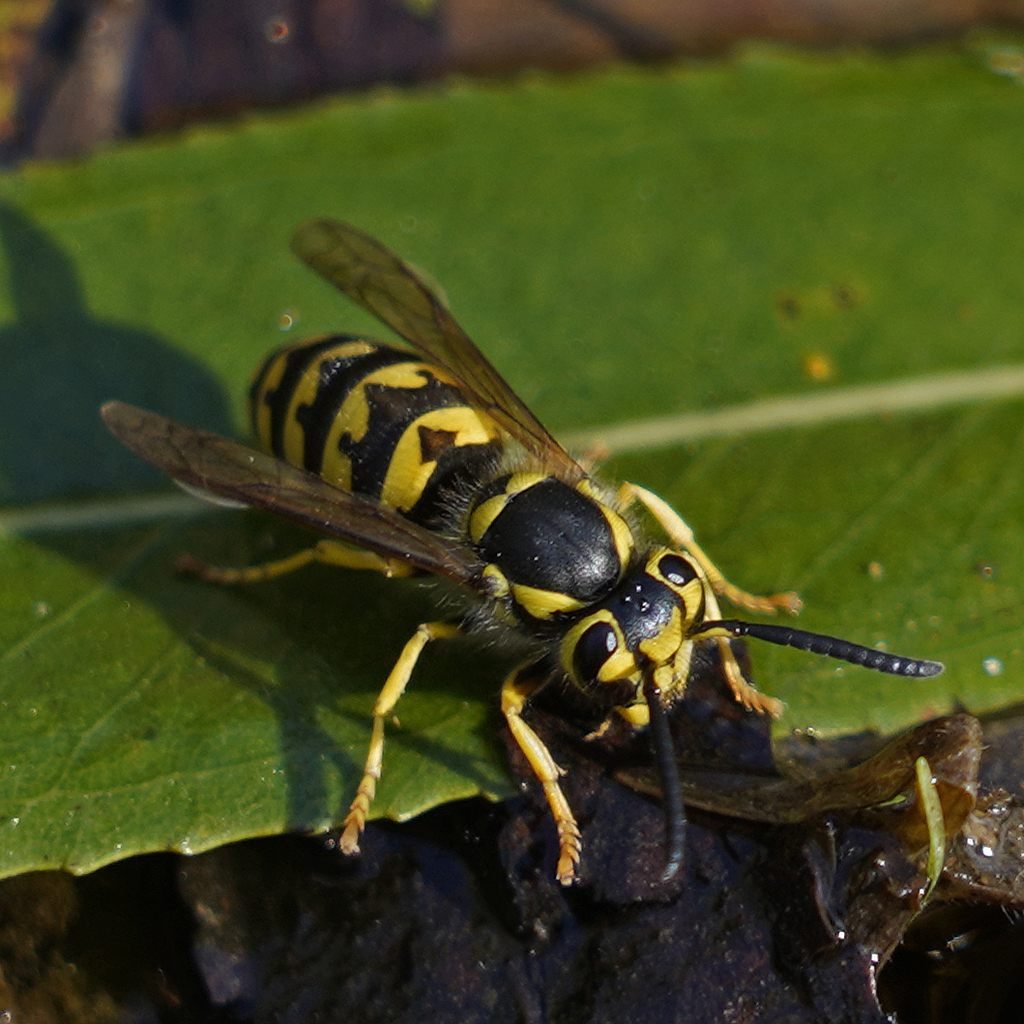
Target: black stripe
<point x="391" y="411"/>
<point x="339" y="377"/>
<point x="276" y="400"/>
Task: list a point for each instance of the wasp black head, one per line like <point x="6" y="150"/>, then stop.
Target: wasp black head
<point x="643" y="623"/>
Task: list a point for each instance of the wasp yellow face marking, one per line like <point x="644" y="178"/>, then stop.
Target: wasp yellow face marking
<point x="594" y="650"/>
<point x="661" y="648"/>
<point x="683" y="578"/>
<point x="638" y="715"/>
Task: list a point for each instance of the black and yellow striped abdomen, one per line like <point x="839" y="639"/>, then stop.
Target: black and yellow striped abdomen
<point x="373" y="420"/>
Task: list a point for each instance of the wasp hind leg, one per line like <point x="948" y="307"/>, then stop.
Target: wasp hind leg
<point x="515" y="692"/>
<point x="681" y="535"/>
<point x="394" y="687"/>
<point x="326" y="552"/>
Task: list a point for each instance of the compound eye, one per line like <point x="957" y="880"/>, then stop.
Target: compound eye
<point x="676" y="570"/>
<point x="595" y="646"/>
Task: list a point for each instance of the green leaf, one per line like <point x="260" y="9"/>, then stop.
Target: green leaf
<point x="626" y="246"/>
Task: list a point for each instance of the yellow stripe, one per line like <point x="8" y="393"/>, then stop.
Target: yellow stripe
<point x="487" y="511"/>
<point x="496" y="582"/>
<point x="305" y="392"/>
<point x="484" y="514"/>
<point x="408" y="474"/>
<point x="637" y="715"/>
<point x="354" y="415"/>
<point x="523" y="481"/>
<point x="622" y="535"/>
<point x="262" y="416"/>
<point x="542" y="604"/>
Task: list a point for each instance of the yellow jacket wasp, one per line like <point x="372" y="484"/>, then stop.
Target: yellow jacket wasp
<point x="428" y="461"/>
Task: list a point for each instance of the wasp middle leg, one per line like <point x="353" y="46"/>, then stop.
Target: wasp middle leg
<point x="326" y="552"/>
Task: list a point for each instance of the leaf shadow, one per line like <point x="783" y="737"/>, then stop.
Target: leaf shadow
<point x="61" y="362"/>
<point x="321" y="773"/>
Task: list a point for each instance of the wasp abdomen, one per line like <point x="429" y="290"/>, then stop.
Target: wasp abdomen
<point x="373" y="420"/>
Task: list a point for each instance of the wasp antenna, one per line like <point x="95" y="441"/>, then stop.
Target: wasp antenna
<point x="672" y="793"/>
<point x="830" y="647"/>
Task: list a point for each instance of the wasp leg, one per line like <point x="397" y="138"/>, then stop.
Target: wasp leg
<point x="515" y="692"/>
<point x="681" y="535"/>
<point x="328" y="552"/>
<point x="745" y="692"/>
<point x="385" y="703"/>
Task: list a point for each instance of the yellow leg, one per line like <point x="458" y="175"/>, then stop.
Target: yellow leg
<point x="385" y="703"/>
<point x="682" y="536"/>
<point x="515" y="692"/>
<point x="328" y="552"/>
<point x="746" y="693"/>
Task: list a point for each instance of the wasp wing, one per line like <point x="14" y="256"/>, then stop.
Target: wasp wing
<point x="392" y="291"/>
<point x="228" y="469"/>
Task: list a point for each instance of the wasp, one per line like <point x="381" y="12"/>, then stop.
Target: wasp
<point x="422" y="459"/>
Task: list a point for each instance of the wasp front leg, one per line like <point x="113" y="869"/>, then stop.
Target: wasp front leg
<point x="515" y="692"/>
<point x="681" y="534"/>
<point x="394" y="687"/>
